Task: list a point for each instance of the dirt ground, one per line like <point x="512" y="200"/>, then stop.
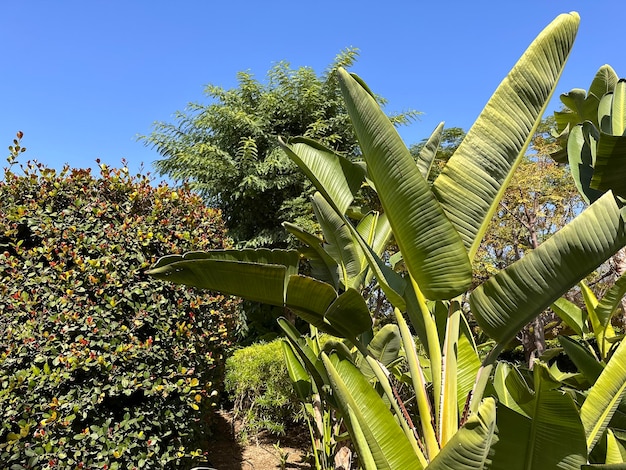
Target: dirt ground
<point x="226" y="453"/>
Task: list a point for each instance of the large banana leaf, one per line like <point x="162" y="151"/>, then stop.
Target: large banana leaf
<point x="335" y="177"/>
<point x="516" y="295"/>
<point x="298" y="375"/>
<point x="388" y="445"/>
<point x="574" y="316"/>
<point x="610" y="168"/>
<point x="552" y="438"/>
<point x="340" y="244"/>
<point x="583" y="358"/>
<point x="473" y="181"/>
<point x="323" y="266"/>
<point x="583" y="106"/>
<point x="581" y="155"/>
<point x="261" y="275"/>
<point x="605" y="396"/>
<point x="469" y="447"/>
<point x="432" y="249"/>
<point x="611" y="301"/>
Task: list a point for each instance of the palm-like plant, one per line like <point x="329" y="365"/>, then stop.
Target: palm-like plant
<point x="438" y="229"/>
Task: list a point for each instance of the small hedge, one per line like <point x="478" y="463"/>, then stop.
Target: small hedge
<point x="101" y="366"/>
<point x="259" y="386"/>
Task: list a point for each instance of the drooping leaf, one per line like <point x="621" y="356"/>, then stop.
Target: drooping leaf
<point x="349" y="314"/>
<point x="259" y="275"/>
<point x="340" y="243"/>
<point x="583" y="358"/>
<point x="323" y="266"/>
<point x="335" y="177"/>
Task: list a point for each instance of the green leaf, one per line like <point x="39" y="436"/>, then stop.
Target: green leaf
<point x="618" y="109"/>
<point x="426" y="156"/>
<point x="259" y="275"/>
<point x="432" y="249"/>
<point x="386" y="345"/>
<point x="583" y="358"/>
<point x="474" y="180"/>
<point x="340" y="243"/>
<point x="469" y="447"/>
<point x="297" y="373"/>
<point x="323" y="266"/>
<point x="604" y="397"/>
<point x="611" y="301"/>
<point x="552" y="438"/>
<point x="571" y="314"/>
<point x="335" y="177"/>
<point x="517" y="294"/>
<point x="349" y="315"/>
<point x="359" y="402"/>
<point x="581" y="153"/>
<point x="610" y="169"/>
<point x="310" y="299"/>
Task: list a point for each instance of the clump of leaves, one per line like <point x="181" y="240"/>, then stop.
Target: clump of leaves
<point x="100" y="366"/>
<point x="259" y="386"/>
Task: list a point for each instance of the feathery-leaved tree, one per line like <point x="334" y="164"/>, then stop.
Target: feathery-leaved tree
<point x="228" y="148"/>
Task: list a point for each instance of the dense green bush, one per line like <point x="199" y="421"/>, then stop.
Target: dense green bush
<point x="258" y="384"/>
<point x="101" y="366"/>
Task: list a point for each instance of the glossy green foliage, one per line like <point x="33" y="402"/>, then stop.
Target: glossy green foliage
<point x="100" y="364"/>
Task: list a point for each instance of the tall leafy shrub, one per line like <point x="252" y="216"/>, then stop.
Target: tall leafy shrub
<point x="100" y="366"/>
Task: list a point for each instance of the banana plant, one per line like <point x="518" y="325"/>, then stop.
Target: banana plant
<point x="592" y="128"/>
<point x="438" y="229"/>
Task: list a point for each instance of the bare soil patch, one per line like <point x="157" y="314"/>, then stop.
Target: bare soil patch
<point x="227" y="453"/>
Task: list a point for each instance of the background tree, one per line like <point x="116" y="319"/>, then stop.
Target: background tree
<point x="228" y="149"/>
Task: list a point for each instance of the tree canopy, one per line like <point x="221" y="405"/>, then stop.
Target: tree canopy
<point x="227" y="149"/>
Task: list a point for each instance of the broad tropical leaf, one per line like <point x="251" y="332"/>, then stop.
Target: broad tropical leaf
<point x="604" y="396"/>
<point x="335" y="177"/>
<point x="473" y="181"/>
<point x="469" y="447"/>
<point x="583" y="358"/>
<point x="260" y="275"/>
<point x="610" y="168"/>
<point x="298" y="375"/>
<point x="389" y="446"/>
<point x="517" y="294"/>
<point x="552" y="438"/>
<point x="571" y="314"/>
<point x="611" y="301"/>
<point x="432" y="249"/>
<point x="323" y="266"/>
<point x="340" y="244"/>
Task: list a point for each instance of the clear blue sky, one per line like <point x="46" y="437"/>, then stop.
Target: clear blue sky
<point x="82" y="79"/>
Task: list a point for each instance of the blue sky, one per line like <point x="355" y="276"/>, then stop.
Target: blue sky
<point x="82" y="79"/>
